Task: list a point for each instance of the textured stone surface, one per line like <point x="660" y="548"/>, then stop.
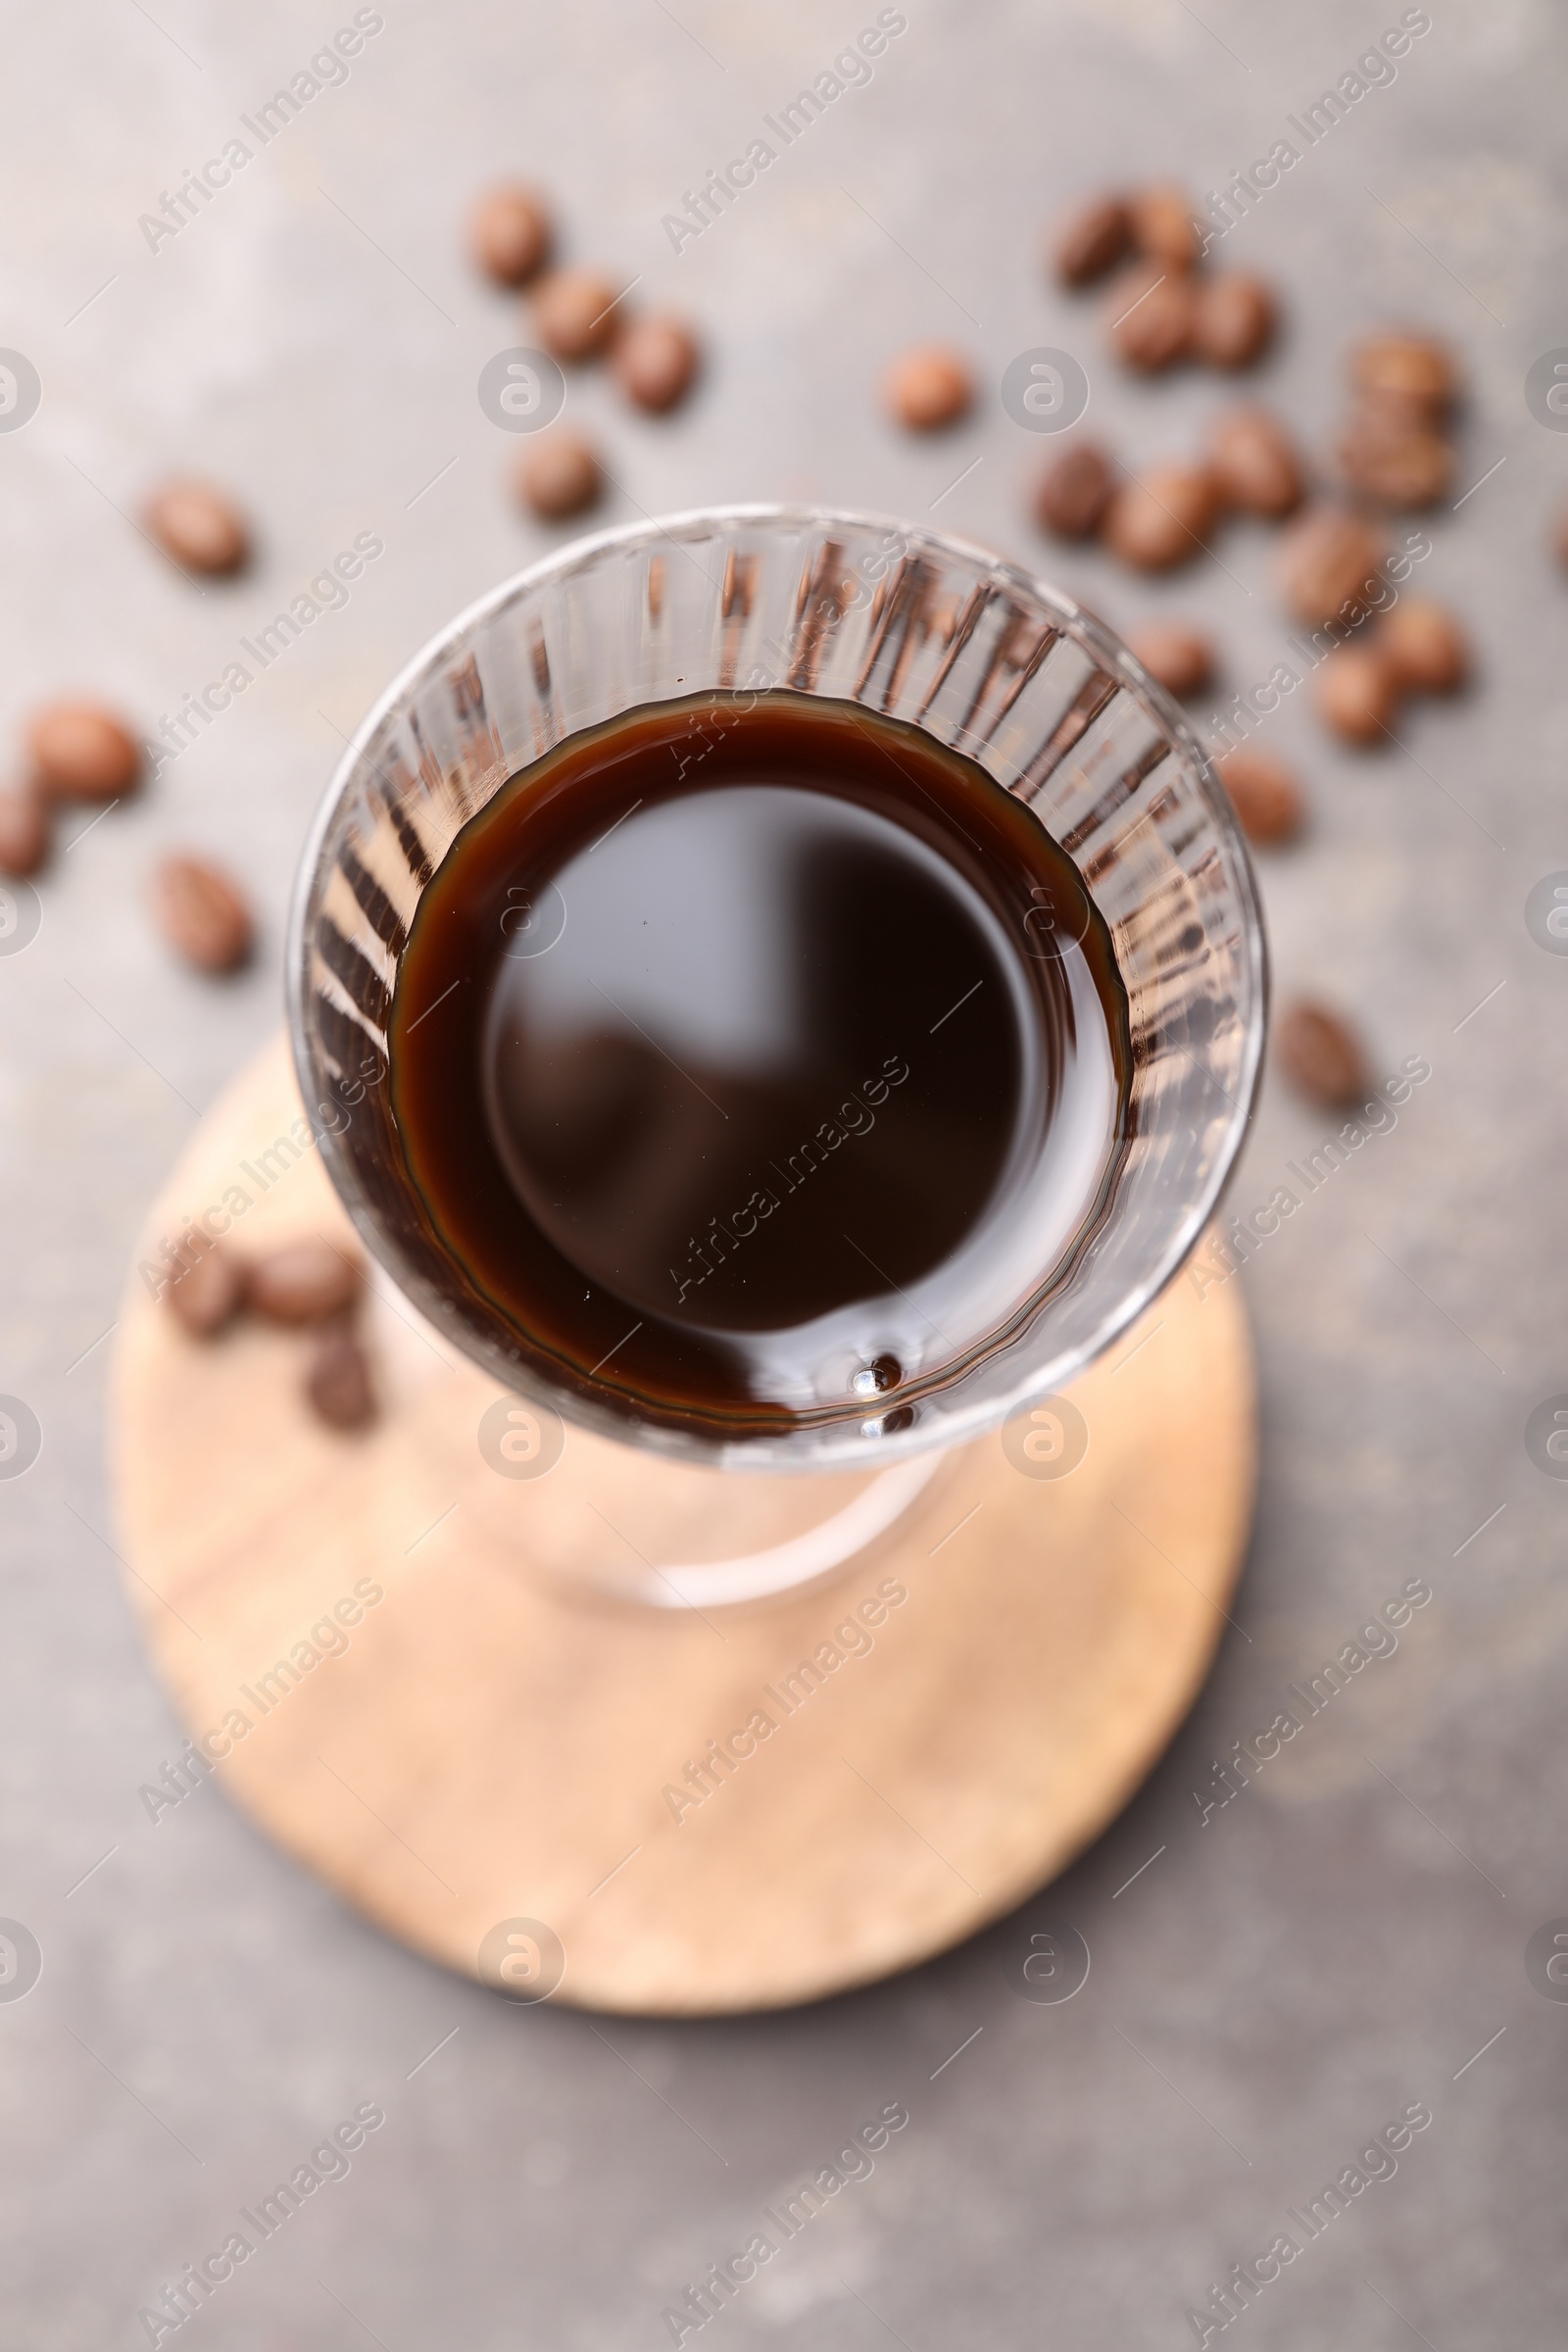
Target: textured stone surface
<point x="1337" y="1941"/>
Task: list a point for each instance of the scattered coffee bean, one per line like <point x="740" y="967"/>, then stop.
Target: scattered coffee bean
<point x="199" y="527"/>
<point x="304" y="1282"/>
<point x="1255" y="464"/>
<point x="1163" y="227"/>
<point x="207" y="1293"/>
<point x="1413" y="367"/>
<point x="1326" y="563"/>
<point x="1398" y="464"/>
<point x="576" y="313"/>
<point x="1321" y="1056"/>
<point x="1075" y="490"/>
<point x="511" y="234"/>
<point x="654" y="360"/>
<point x="1424" y="646"/>
<point x="338" y="1383"/>
<point x="202" y="914"/>
<point x="1358" y="692"/>
<point x="1397" y="412"/>
<point x="1233" y="320"/>
<point x="928" y="389"/>
<point x="1180" y="660"/>
<point x="81" y="751"/>
<point x="24" y="832"/>
<point x="1264" y="793"/>
<point x="1091" y="241"/>
<point x="1149" y="317"/>
<point x="559" y="475"/>
<point x="1163" y="520"/>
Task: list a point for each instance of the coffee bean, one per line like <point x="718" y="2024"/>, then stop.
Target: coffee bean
<point x="1163" y="227"/>
<point x="81" y="751"/>
<point x="202" y="914"/>
<point x="1424" y="646"/>
<point x="198" y="527"/>
<point x="1397" y="412"/>
<point x="559" y="475"/>
<point x="1396" y="463"/>
<point x="1148" y="315"/>
<point x="1327" y="562"/>
<point x="929" y="387"/>
<point x="207" y="1293"/>
<point x="1180" y="660"/>
<point x="24" y="832"/>
<point x="1264" y="794"/>
<point x="1075" y="490"/>
<point x="304" y="1282"/>
<point x="1255" y="464"/>
<point x="1233" y="320"/>
<point x="1321" y="1056"/>
<point x="338" y="1383"/>
<point x="1161" y="520"/>
<point x="1414" y="367"/>
<point x="1092" y="240"/>
<point x="575" y="312"/>
<point x="1358" y="692"/>
<point x="655" y="362"/>
<point x="511" y="233"/>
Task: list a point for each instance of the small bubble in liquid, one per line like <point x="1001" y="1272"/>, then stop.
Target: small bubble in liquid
<point x="876" y="1378"/>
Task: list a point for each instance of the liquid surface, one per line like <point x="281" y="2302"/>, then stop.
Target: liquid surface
<point x="758" y="1055"/>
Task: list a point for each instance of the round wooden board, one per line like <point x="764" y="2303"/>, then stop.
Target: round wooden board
<point x="487" y="1749"/>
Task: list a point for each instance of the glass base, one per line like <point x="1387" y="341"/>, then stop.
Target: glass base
<point x="604" y="1521"/>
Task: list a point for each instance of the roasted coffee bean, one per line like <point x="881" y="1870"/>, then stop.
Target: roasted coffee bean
<point x="576" y="313"/>
<point x="1321" y="1056"/>
<point x="1424" y="646"/>
<point x="1161" y="520"/>
<point x="928" y="389"/>
<point x="1264" y="794"/>
<point x="654" y="360"/>
<point x="1414" y="367"/>
<point x="1180" y="660"/>
<point x="1163" y="227"/>
<point x="1397" y="412"/>
<point x="338" y="1385"/>
<point x="304" y="1282"/>
<point x="209" y="1292"/>
<point x="1148" y="315"/>
<point x="1091" y="241"/>
<point x="1358" y="693"/>
<point x="1075" y="490"/>
<point x="202" y="914"/>
<point x="1254" y="463"/>
<point x="511" y="234"/>
<point x="199" y="527"/>
<point x="24" y="832"/>
<point x="1233" y="320"/>
<point x="81" y="751"/>
<point x="1397" y="465"/>
<point x="559" y="475"/>
<point x="1328" y="560"/>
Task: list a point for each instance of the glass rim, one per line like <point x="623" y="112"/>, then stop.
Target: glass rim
<point x="846" y="1449"/>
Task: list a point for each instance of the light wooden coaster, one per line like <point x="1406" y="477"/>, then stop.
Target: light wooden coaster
<point x="474" y="1748"/>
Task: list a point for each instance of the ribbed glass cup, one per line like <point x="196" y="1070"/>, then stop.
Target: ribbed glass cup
<point x="906" y="623"/>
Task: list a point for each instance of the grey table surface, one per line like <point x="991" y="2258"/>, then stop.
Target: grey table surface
<point x="1345" y="1940"/>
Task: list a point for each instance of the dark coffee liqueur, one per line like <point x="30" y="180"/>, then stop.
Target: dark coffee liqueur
<point x="758" y="1056"/>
